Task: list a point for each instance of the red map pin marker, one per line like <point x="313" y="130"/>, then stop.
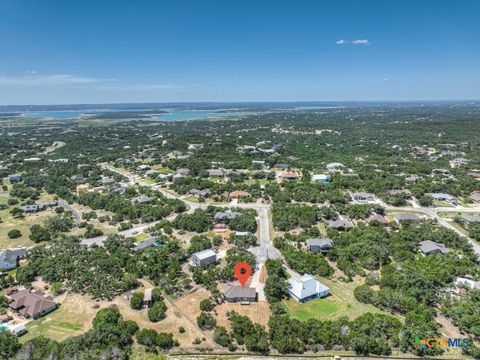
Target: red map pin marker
<point x="242" y="272"/>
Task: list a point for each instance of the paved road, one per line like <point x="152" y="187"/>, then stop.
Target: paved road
<point x="67" y="207"/>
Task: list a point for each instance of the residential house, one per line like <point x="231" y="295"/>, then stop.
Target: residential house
<point x="468" y="219"/>
<point x="464" y="283"/>
<point x="444" y="197"/>
<point x="215" y="173"/>
<point x="143" y="199"/>
<point x="406" y="217"/>
<point x="428" y="247"/>
<point x="226" y="215"/>
<point x="239" y="194"/>
<point x="376" y="218"/>
<point x="443" y="172"/>
<point x="143" y="167"/>
<point x="220" y="228"/>
<point x="10" y="258"/>
<point x="475" y="197"/>
<point x="318" y="245"/>
<point x="323" y="178"/>
<point x="175" y="154"/>
<point x="335" y="166"/>
<point x="395" y="192"/>
<point x="288" y="176"/>
<point x="458" y="162"/>
<point x="32" y="304"/>
<point x="306" y="288"/>
<point x="200" y="193"/>
<point x="342" y="223"/>
<point x="105" y="180"/>
<point x="14" y="178"/>
<point x="244" y="295"/>
<point x="151" y="241"/>
<point x="183" y="171"/>
<point x="32" y="208"/>
<point x="412" y="178"/>
<point x="474" y="174"/>
<point x="77" y="178"/>
<point x="143" y="155"/>
<point x="195" y="147"/>
<point x="363" y="197"/>
<point x="82" y="189"/>
<point x="241" y="233"/>
<point x="204" y="257"/>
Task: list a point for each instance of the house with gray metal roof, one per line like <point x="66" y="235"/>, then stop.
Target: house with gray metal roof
<point x="342" y="223"/>
<point x="317" y="245"/>
<point x="226" y="215"/>
<point x="205" y="257"/>
<point x="428" y="247"/>
<point x="239" y="294"/>
<point x="215" y="173"/>
<point x="9" y="259"/>
<point x="14" y="178"/>
<point x="406" y="217"/>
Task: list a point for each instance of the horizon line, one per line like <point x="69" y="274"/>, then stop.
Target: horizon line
<point x="246" y="102"/>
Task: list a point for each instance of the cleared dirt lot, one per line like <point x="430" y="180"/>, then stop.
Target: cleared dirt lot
<point x="258" y="312"/>
<point x="182" y="312"/>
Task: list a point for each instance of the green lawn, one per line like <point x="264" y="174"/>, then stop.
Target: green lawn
<point x="319" y="308"/>
<point x="141" y="237"/>
<point x="259" y="181"/>
<point x="341" y="302"/>
<point x="69" y="319"/>
<point x="53" y="325"/>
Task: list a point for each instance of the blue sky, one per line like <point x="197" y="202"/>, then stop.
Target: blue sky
<point x="57" y="51"/>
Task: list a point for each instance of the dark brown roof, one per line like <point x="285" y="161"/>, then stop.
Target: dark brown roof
<point x="31" y="303"/>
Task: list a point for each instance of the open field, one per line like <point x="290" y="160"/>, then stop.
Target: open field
<point x="73" y="317"/>
<point x="10" y="223"/>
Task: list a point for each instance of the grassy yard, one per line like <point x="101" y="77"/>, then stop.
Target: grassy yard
<point x="341" y="302"/>
<point x="259" y="181"/>
<point x="319" y="308"/>
<point x="141" y="237"/>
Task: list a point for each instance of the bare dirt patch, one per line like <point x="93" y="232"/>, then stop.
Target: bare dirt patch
<point x="258" y="312"/>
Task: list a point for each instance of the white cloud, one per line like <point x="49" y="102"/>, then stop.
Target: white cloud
<point x="36" y="80"/>
<point x="353" y="42"/>
<point x="385" y="79"/>
<point x="361" y="42"/>
<point x="32" y="78"/>
<point x="141" y="87"/>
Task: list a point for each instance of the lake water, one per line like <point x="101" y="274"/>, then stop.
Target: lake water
<point x="194" y="115"/>
<point x="170" y="116"/>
